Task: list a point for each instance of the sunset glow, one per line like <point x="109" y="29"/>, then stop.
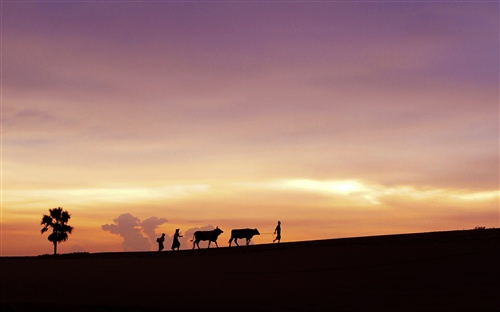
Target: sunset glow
<point x="336" y="118"/>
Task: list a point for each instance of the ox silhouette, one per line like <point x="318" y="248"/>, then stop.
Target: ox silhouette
<point x="210" y="236"/>
<point x="242" y="233"/>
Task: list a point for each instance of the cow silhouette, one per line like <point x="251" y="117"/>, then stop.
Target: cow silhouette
<point x="242" y="233"/>
<point x="210" y="236"/>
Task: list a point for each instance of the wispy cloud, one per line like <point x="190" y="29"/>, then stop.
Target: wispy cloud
<point x="369" y="193"/>
<point x="110" y="195"/>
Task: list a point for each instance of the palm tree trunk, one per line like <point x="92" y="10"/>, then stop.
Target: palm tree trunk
<point x="55" y="248"/>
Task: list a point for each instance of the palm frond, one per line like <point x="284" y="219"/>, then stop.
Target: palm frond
<point x="46" y="220"/>
<point x="52" y="237"/>
<point x="56" y="213"/>
<point x="65" y="216"/>
<point x="63" y="237"/>
<point x="58" y="237"/>
<point x="66" y="228"/>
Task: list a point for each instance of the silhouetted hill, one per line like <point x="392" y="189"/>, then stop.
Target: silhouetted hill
<point x="439" y="271"/>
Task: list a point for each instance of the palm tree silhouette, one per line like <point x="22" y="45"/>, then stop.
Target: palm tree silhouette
<point x="57" y="221"/>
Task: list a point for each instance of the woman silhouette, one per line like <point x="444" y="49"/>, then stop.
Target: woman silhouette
<point x="176" y="243"/>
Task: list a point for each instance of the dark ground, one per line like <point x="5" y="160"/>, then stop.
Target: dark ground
<point x="440" y="271"/>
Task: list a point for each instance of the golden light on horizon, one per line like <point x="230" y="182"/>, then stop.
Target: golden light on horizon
<point x="337" y="186"/>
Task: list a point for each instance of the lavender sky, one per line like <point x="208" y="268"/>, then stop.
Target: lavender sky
<point x="339" y="118"/>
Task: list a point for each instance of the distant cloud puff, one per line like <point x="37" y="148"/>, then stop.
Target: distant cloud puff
<point x="150" y="225"/>
<point x="136" y="235"/>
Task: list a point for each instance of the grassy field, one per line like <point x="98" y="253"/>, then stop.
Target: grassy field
<point x="439" y="271"/>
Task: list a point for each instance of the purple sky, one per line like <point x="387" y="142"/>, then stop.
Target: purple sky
<point x="251" y="111"/>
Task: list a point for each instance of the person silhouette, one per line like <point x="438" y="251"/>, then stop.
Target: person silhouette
<point x="176" y="243"/>
<point x="160" y="241"/>
<point x="277" y="231"/>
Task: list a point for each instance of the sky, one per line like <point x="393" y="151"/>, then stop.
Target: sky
<point x="337" y="118"/>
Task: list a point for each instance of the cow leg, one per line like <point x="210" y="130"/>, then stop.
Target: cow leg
<point x="230" y="240"/>
<point x="209" y="244"/>
<point x="216" y="244"/>
<point x="248" y="241"/>
<point x="236" y="241"/>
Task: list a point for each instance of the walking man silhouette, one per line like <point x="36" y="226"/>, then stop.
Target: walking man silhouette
<point x="277" y="231"/>
<point x="176" y="243"/>
<point x="160" y="241"/>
